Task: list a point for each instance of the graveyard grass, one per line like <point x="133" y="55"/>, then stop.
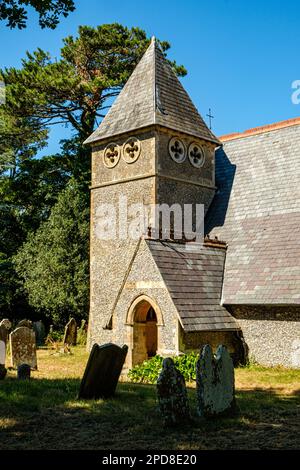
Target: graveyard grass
<point x="45" y="413"/>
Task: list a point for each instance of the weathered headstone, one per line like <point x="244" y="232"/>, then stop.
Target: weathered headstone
<point x="5" y="326"/>
<point x="172" y="395"/>
<point x="6" y="323"/>
<point x="70" y="336"/>
<point x="27" y="323"/>
<point x="24" y="372"/>
<point x="23" y="347"/>
<point x="40" y="332"/>
<point x="215" y="382"/>
<point x="3" y="339"/>
<point x="102" y="371"/>
<point x="2" y="351"/>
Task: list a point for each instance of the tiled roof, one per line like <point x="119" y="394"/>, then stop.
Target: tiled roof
<point x="257" y="211"/>
<point x="153" y="95"/>
<point x="193" y="275"/>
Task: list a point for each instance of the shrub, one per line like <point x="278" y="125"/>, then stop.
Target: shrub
<point x="149" y="370"/>
<point x="54" y="336"/>
<point x="82" y="335"/>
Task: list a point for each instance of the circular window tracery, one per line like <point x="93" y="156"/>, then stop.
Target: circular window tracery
<point x="111" y="155"/>
<point x="131" y="150"/>
<point x="196" y="155"/>
<point x="177" y="150"/>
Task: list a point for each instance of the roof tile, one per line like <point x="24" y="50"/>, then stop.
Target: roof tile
<point x="153" y="95"/>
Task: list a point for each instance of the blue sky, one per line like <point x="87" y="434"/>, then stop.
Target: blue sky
<point x="241" y="57"/>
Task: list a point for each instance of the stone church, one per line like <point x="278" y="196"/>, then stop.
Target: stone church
<point x="241" y="287"/>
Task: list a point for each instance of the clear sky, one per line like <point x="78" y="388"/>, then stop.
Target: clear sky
<point x="241" y="56"/>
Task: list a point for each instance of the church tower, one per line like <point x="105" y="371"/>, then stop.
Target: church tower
<point x="153" y="147"/>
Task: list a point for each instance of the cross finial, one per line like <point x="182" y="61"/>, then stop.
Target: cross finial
<point x="210" y="116"/>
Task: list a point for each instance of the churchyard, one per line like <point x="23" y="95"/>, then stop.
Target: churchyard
<point x="44" y="412"/>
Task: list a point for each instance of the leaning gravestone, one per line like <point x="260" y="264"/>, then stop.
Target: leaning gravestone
<point x="102" y="371"/>
<point x="70" y="336"/>
<point x="215" y="382"/>
<point x="172" y="395"/>
<point x="40" y="332"/>
<point x="23" y="347"/>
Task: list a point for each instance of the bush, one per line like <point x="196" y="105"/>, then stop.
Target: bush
<point x="149" y="370"/>
<point x="82" y="335"/>
<point x="55" y="336"/>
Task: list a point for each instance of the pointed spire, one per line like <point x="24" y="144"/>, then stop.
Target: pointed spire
<point x="153" y="95"/>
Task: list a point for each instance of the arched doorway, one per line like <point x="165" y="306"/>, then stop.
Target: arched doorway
<point x="145" y="334"/>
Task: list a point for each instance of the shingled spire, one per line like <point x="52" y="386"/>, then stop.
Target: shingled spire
<point x="153" y="95"/>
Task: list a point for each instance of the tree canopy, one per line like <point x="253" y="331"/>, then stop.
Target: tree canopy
<point x="41" y="196"/>
<point x="75" y="89"/>
<point x="54" y="262"/>
<point x="16" y="14"/>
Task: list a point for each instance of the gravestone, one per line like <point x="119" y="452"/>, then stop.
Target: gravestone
<point x="215" y="382"/>
<point x="70" y="336"/>
<point x="27" y="323"/>
<point x="5" y="326"/>
<point x="172" y="395"/>
<point x="3" y="340"/>
<point x="24" y="372"/>
<point x="102" y="371"/>
<point x="6" y="323"/>
<point x="40" y="332"/>
<point x="23" y="347"/>
<point x="2" y="351"/>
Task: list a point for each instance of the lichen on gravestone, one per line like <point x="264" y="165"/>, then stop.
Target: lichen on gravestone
<point x="172" y="395"/>
<point x="70" y="336"/>
<point x="215" y="383"/>
<point x="23" y="347"/>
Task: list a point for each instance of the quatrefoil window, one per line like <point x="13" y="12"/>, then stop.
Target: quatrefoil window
<point x="131" y="150"/>
<point x="177" y="150"/>
<point x="111" y="155"/>
<point x="196" y="155"/>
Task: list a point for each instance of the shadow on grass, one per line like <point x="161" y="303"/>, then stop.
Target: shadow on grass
<point x="45" y="414"/>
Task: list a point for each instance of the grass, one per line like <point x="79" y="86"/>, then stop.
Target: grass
<point x="45" y="414"/>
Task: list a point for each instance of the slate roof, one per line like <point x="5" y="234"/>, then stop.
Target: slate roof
<point x="193" y="275"/>
<point x="256" y="210"/>
<point x="153" y="95"/>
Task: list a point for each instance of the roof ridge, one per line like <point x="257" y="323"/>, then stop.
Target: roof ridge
<point x="261" y="129"/>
